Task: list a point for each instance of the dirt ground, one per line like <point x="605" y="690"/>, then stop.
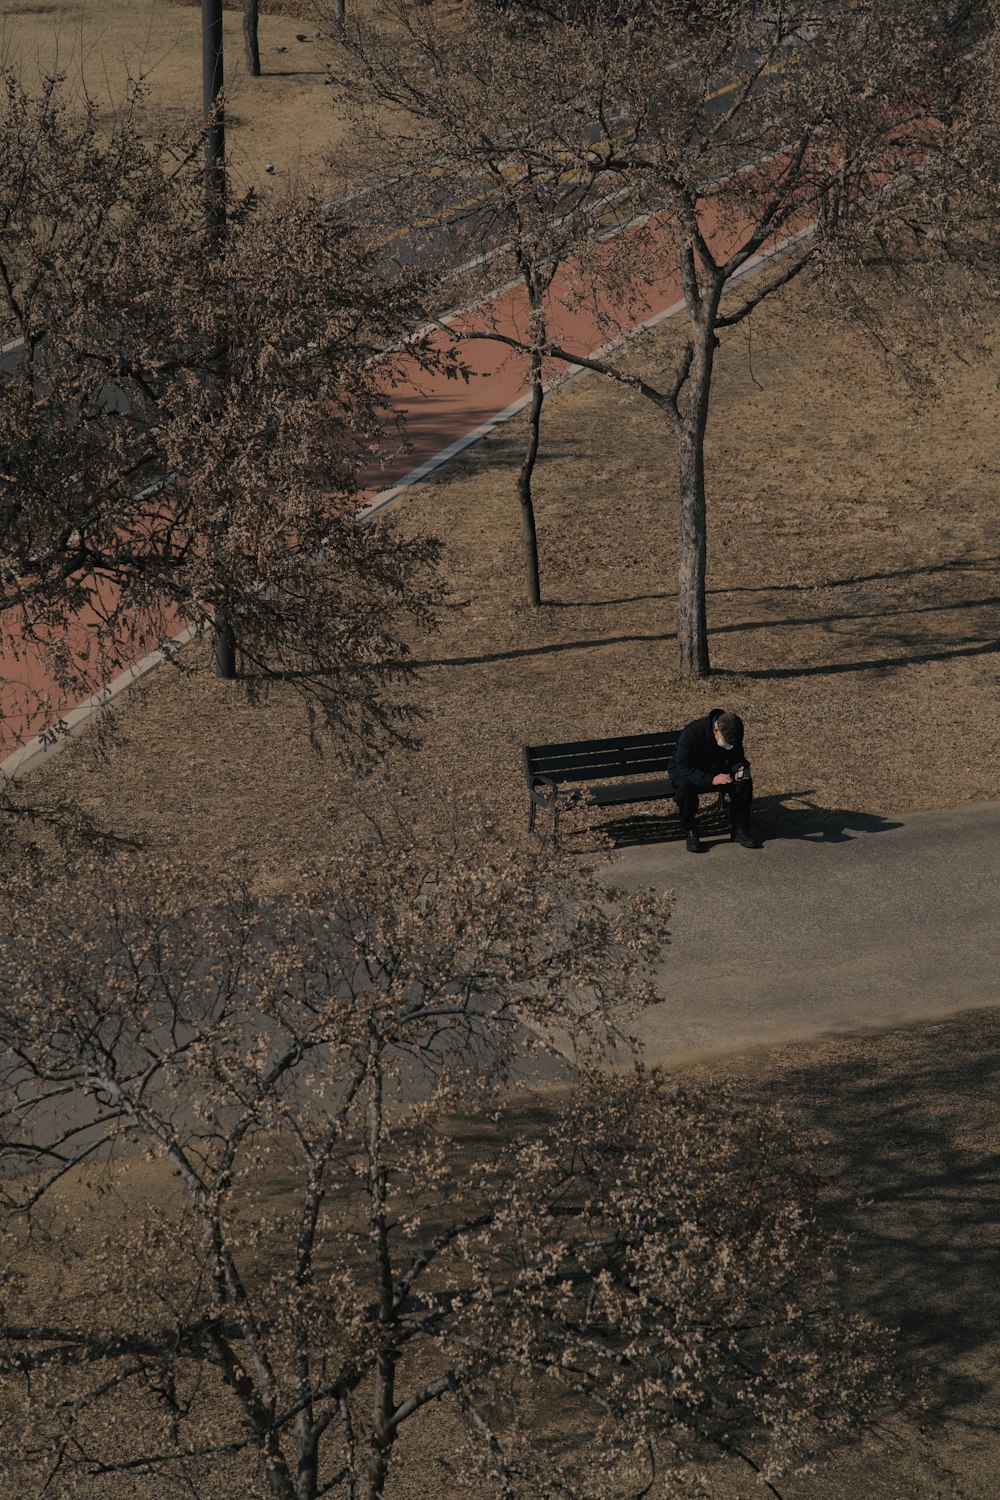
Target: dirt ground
<point x="288" y="116"/>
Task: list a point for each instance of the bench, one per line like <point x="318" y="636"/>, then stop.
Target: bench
<point x="608" y="773"/>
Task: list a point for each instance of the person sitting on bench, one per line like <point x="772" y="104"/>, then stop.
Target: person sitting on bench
<point x="710" y="754"/>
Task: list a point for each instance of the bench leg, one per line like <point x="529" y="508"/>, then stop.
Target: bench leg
<point x="531" y="816"/>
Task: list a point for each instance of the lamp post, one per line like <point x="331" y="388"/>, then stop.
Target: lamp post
<point x="215" y="225"/>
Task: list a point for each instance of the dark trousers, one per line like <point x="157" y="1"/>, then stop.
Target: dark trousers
<point x="738" y="793"/>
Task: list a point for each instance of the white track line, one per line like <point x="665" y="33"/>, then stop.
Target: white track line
<point x="51" y="741"/>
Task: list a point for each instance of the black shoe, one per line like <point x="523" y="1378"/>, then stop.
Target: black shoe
<point x="693" y="843"/>
<point x="745" y="837"/>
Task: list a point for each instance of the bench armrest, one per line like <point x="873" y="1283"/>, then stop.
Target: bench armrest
<point x="543" y="790"/>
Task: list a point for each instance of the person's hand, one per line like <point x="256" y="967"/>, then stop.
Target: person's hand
<point x="721" y="780"/>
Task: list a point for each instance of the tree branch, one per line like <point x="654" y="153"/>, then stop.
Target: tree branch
<point x="729" y="320"/>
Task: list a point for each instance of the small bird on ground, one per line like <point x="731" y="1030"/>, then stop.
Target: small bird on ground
<point x="279" y="49"/>
<point x="269" y="166"/>
<point x="300" y="36"/>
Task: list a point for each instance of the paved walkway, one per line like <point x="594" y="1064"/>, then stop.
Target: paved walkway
<point x="830" y="928"/>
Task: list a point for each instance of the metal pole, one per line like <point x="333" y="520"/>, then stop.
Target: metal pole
<point x="215" y="225"/>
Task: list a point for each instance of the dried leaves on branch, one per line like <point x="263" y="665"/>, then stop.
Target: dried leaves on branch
<point x="349" y="1233"/>
<point x="706" y="136"/>
<point x="183" y="425"/>
<point x="918" y="270"/>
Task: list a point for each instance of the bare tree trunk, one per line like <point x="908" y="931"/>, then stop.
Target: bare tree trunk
<point x="225" y="646"/>
<point x="692" y="622"/>
<point x="214" y="114"/>
<point x="524" y="494"/>
<point x="371" y="1485"/>
<point x="307" y="1468"/>
<point x="338" y="15"/>
<point x="250" y="44"/>
<point x="213" y="80"/>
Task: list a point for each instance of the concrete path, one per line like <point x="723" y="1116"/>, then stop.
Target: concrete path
<point x="831" y="927"/>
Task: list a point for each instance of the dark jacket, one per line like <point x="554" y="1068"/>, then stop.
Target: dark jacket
<point x="699" y="756"/>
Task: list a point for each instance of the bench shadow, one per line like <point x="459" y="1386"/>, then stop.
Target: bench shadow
<point x="911" y="1126"/>
<point x="774" y="820"/>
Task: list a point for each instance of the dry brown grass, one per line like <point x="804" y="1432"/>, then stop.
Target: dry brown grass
<point x="288" y="116"/>
<point x="854" y="584"/>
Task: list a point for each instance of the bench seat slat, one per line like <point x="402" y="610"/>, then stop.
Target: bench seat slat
<point x="631" y="791"/>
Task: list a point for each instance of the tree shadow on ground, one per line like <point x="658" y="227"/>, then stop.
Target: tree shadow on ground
<point x="914" y="646"/>
<point x="934" y="571"/>
<point x="875" y="664"/>
<point x="910" y="1122"/>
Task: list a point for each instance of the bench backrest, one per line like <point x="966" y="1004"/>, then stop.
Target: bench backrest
<point x="585" y="760"/>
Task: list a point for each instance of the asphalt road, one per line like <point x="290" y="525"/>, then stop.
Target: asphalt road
<point x="832" y="927"/>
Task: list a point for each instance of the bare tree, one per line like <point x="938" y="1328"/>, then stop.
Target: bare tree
<point x="774" y="134"/>
<point x="182" y="433"/>
<point x="733" y="129"/>
<point x="352" y="1229"/>
<point x="474" y="181"/>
